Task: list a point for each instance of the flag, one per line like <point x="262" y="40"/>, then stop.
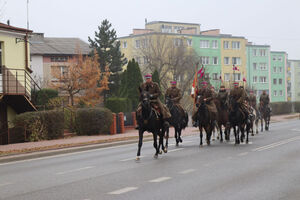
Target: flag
<point x="195" y="82"/>
<point x="244" y="79"/>
<point x="234" y="68"/>
<point x="201" y="71"/>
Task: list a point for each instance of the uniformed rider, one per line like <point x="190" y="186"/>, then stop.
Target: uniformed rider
<point x="223" y="95"/>
<point x="175" y="95"/>
<point x="264" y="99"/>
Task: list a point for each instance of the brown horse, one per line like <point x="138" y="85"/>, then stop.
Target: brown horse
<point x="223" y="118"/>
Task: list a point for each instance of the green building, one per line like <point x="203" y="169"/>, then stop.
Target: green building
<point x="258" y="68"/>
<point x="278" y="75"/>
<point x="293" y="80"/>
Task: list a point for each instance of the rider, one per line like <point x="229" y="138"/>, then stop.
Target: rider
<point x="239" y="95"/>
<point x="223" y="95"/>
<point x="154" y="92"/>
<point x="252" y="99"/>
<point x="206" y="96"/>
<point x="175" y="95"/>
<point x="264" y="99"/>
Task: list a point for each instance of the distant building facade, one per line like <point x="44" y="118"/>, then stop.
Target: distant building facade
<point x="293" y="80"/>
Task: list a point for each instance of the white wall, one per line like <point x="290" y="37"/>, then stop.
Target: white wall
<point x="37" y="68"/>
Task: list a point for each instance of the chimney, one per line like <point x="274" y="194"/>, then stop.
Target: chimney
<point x="8" y="22"/>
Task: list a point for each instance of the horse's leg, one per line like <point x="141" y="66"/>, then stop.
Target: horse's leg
<point x="161" y="141"/>
<point x="167" y="141"/>
<point x="201" y="135"/>
<point x="221" y="132"/>
<point x="155" y="144"/>
<point x="262" y="124"/>
<point x="179" y="134"/>
<point x="176" y="136"/>
<point x="247" y="130"/>
<point x="139" y="144"/>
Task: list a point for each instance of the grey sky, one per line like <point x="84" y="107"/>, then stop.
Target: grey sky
<point x="273" y="22"/>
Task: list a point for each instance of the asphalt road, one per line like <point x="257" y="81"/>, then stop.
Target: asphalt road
<point x="266" y="168"/>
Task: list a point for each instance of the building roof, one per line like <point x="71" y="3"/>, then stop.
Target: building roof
<point x="13" y="29"/>
<point x="58" y="46"/>
<point x="257" y="45"/>
<point x="166" y="22"/>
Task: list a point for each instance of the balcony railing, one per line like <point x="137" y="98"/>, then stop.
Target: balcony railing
<point x="16" y="82"/>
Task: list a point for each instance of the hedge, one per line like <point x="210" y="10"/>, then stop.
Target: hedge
<point x="40" y="125"/>
<point x="279" y="108"/>
<point x="42" y="97"/>
<point x="117" y="105"/>
<point x="93" y="121"/>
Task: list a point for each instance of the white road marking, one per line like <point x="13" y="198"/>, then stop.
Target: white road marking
<point x="244" y="143"/>
<point x="295" y="129"/>
<point x="276" y="144"/>
<point x="75" y="170"/>
<point x="173" y="150"/>
<point x="124" y="190"/>
<point x="243" y="154"/>
<point x="129" y="159"/>
<point x="161" y="179"/>
<point x="187" y="171"/>
<point x="5" y="184"/>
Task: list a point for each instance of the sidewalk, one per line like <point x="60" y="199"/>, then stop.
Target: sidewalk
<point x="78" y="141"/>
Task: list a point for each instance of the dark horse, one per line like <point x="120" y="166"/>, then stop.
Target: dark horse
<point x="238" y="121"/>
<point x="178" y="121"/>
<point x="205" y="121"/>
<point x="223" y="118"/>
<point x="150" y="121"/>
<point x="265" y="112"/>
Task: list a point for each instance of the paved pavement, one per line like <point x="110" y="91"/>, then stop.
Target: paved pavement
<point x="130" y="136"/>
<point x="266" y="168"/>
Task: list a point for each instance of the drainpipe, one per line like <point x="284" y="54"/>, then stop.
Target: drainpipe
<point x="26" y="53"/>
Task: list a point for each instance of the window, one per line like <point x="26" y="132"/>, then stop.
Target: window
<point x="280" y="93"/>
<point x="263" y="79"/>
<point x="280" y="69"/>
<point x="254" y="66"/>
<point x="275" y="93"/>
<point x="137" y="44"/>
<point x="204" y="60"/>
<point x="274" y="81"/>
<point x="226" y="60"/>
<point x="59" y="72"/>
<point x="235" y="45"/>
<point x="204" y="43"/>
<point x="178" y="28"/>
<point x="274" y="57"/>
<point x="215" y="76"/>
<point x="215" y="44"/>
<point x="274" y="69"/>
<point x="262" y="52"/>
<point x="215" y="60"/>
<point x="263" y="66"/>
<point x="144" y="43"/>
<point x="178" y="42"/>
<point x="189" y="42"/>
<point x="279" y="58"/>
<point x="166" y="29"/>
<point x="254" y="79"/>
<point x="254" y="52"/>
<point x="236" y="60"/>
<point x="124" y="44"/>
<point x="226" y="77"/>
<point x="236" y="77"/>
<point x="59" y="59"/>
<point x="280" y="81"/>
<point x="138" y="60"/>
<point x="226" y="44"/>
<point x="145" y="60"/>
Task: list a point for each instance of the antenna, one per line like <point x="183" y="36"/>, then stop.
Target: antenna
<point x="27" y="14"/>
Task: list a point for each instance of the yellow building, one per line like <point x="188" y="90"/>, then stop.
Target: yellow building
<point x="15" y="79"/>
<point x="233" y="53"/>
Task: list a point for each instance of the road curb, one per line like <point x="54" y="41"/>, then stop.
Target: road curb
<point x="65" y="150"/>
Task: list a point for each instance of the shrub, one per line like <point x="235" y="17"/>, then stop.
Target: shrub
<point x="92" y="121"/>
<point x="279" y="108"/>
<point x="43" y="96"/>
<point x="69" y="117"/>
<point x="40" y="125"/>
<point x="117" y="105"/>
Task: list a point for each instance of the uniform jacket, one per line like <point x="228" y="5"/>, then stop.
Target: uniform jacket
<point x="152" y="88"/>
<point x="264" y="98"/>
<point x="174" y="94"/>
<point x="238" y="94"/>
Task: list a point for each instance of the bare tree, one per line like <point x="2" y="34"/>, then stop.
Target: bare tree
<point x="172" y="58"/>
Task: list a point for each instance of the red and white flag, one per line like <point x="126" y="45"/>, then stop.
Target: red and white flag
<point x="235" y="68"/>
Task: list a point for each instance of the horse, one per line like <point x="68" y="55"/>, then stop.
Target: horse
<point x="206" y="121"/>
<point x="265" y="112"/>
<point x="151" y="121"/>
<point x="254" y="119"/>
<point x="178" y="121"/>
<point x="238" y="121"/>
<point x="223" y="118"/>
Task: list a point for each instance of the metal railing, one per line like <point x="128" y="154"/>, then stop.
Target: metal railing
<point x="17" y="82"/>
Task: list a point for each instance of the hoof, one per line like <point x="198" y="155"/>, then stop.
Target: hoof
<point x="218" y="137"/>
<point x="166" y="150"/>
<point x="180" y="140"/>
<point x="247" y="141"/>
<point x="160" y="152"/>
<point x="177" y="144"/>
<point x="213" y="139"/>
<point x="252" y="134"/>
<point x="155" y="156"/>
<point x="256" y="132"/>
<point x="137" y="158"/>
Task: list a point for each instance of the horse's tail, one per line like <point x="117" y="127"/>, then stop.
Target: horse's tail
<point x="186" y="117"/>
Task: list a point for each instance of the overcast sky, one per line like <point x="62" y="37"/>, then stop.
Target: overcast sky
<point x="272" y="22"/>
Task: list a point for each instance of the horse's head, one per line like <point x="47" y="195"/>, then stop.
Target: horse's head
<point x="169" y="102"/>
<point x="145" y="98"/>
